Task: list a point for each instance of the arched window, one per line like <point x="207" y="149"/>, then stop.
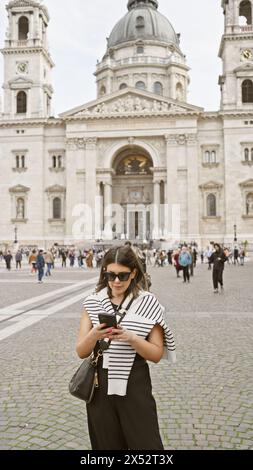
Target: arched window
<point x="122" y="86"/>
<point x="213" y="156"/>
<point x="158" y="88"/>
<point x="54" y="161"/>
<point x="140" y="86"/>
<point x="249" y="204"/>
<point x="245" y="11"/>
<point x="20" y="208"/>
<point x="102" y="91"/>
<point x="207" y="156"/>
<point x="57" y="208"/>
<point x="247" y="91"/>
<point x="23" y="161"/>
<point x="17" y="161"/>
<point x="21" y="102"/>
<point x="211" y="205"/>
<point x="246" y="155"/>
<point x="179" y="92"/>
<point x="23" y="28"/>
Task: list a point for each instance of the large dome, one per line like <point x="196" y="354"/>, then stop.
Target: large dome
<point x="143" y="21"/>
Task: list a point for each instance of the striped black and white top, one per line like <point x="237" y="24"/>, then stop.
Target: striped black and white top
<point x="144" y="313"/>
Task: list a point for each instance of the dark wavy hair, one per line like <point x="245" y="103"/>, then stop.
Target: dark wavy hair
<point x="125" y="256"/>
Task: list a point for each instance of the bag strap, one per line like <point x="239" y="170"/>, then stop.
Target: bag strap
<point x="104" y="345"/>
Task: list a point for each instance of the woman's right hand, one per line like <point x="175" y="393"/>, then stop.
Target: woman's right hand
<point x="100" y="332"/>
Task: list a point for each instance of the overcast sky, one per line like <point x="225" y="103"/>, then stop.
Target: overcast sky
<point x="77" y="38"/>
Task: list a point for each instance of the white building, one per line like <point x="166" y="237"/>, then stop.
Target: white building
<point x="139" y="162"/>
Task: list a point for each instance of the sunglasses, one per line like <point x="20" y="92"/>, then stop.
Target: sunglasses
<point x="124" y="276"/>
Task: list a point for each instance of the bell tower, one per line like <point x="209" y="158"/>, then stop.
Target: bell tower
<point x="27" y="62"/>
<point x="236" y="53"/>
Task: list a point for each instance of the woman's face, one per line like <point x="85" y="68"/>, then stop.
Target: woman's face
<point x="120" y="284"/>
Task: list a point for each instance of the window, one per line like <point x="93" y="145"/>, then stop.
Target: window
<point x="54" y="161"/>
<point x="213" y="156"/>
<point x="59" y="161"/>
<point x="210" y="156"/>
<point x="245" y="11"/>
<point x="140" y="50"/>
<point x="249" y="204"/>
<point x="23" y="28"/>
<point x="56" y="208"/>
<point x="21" y="102"/>
<point x="122" y="86"/>
<point x="247" y="91"/>
<point x="140" y="86"/>
<point x="251" y="154"/>
<point x="140" y="23"/>
<point x="211" y="205"/>
<point x="102" y="91"/>
<point x="20" y="208"/>
<point x="246" y="155"/>
<point x="207" y="157"/>
<point x="158" y="88"/>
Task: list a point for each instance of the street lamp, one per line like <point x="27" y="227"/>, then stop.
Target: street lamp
<point x="16" y="234"/>
<point x="235" y="235"/>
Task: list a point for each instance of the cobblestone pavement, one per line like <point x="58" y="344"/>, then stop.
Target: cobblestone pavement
<point x="204" y="401"/>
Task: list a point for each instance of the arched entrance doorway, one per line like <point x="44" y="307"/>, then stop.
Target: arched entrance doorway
<point x="132" y="189"/>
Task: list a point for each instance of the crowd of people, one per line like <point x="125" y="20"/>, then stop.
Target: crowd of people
<point x="183" y="258"/>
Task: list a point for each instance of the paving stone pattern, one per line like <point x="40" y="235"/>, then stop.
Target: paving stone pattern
<point x="204" y="401"/>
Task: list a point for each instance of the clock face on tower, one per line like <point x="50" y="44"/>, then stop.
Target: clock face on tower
<point x="22" y="67"/>
<point x="246" y="54"/>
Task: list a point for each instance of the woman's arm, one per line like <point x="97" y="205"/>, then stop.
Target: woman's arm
<point x="150" y="349"/>
<point x="89" y="335"/>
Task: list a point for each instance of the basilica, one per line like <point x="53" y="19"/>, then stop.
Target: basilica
<point x="138" y="162"/>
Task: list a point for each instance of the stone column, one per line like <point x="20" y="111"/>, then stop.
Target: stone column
<point x="108" y="210"/>
<point x="73" y="146"/>
<point x="90" y="187"/>
<point x="193" y="187"/>
<point x="98" y="212"/>
<point x="156" y="210"/>
<point x="172" y="196"/>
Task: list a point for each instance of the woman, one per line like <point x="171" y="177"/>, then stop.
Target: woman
<point x="122" y="414"/>
<point x="185" y="260"/>
<point x="218" y="258"/>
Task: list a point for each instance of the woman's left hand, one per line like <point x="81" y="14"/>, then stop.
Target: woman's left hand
<point x="119" y="334"/>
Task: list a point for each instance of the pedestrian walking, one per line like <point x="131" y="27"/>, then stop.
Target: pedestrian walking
<point x="49" y="259"/>
<point x="176" y="262"/>
<point x="8" y="258"/>
<point x="40" y="263"/>
<point x="18" y="259"/>
<point x="89" y="259"/>
<point x="185" y="260"/>
<point x="32" y="261"/>
<point x="218" y="258"/>
<point x="122" y="414"/>
<point x="236" y="256"/>
<point x="242" y="256"/>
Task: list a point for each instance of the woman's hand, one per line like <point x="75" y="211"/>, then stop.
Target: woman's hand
<point x="100" y="332"/>
<point x="119" y="334"/>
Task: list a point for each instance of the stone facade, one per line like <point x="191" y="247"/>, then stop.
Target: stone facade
<point x="139" y="162"/>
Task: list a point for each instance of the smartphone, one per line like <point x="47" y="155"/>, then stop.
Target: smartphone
<point x="109" y="319"/>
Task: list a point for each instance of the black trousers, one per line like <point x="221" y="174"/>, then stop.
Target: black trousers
<point x="124" y="423"/>
<point x="217" y="277"/>
<point x="186" y="273"/>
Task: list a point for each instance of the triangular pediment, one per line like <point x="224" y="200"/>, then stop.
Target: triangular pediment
<point x="56" y="188"/>
<point x="211" y="185"/>
<point x="247" y="184"/>
<point x="130" y="102"/>
<point x="246" y="67"/>
<point x="19" y="188"/>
